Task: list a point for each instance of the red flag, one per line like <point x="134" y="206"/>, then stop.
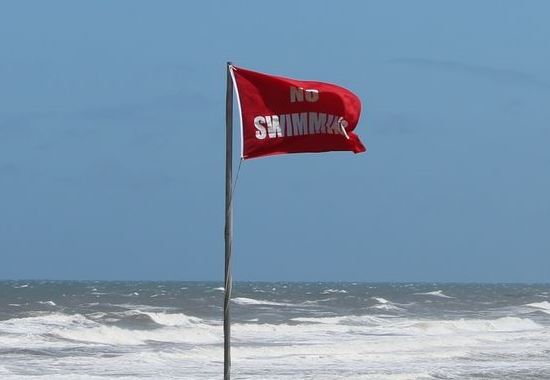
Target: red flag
<point x="281" y="115"/>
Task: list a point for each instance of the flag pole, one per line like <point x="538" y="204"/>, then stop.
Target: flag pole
<point x="228" y="224"/>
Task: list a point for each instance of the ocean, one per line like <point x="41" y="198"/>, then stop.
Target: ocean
<point x="173" y="330"/>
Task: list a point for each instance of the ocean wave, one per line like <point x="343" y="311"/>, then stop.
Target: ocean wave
<point x="63" y="330"/>
<point x="177" y="328"/>
<point x="315" y="302"/>
<point x="43" y="323"/>
<point x="49" y="303"/>
<point x="344" y="320"/>
<point x="113" y="335"/>
<point x="175" y="319"/>
<point x="252" y="301"/>
<point x="290" y="332"/>
<point x="384" y="304"/>
<point x="332" y="291"/>
<point x="96" y="315"/>
<point x="402" y="326"/>
<point x="542" y="306"/>
<point x="386" y="307"/>
<point x="149" y="308"/>
<point x="137" y="318"/>
<point x="445" y="327"/>
<point x="435" y="293"/>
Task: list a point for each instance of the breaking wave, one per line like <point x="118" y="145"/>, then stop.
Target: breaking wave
<point x="333" y="291"/>
<point x="252" y="301"/>
<point x="400" y="326"/>
<point x="49" y="303"/>
<point x="385" y="305"/>
<point x="112" y="335"/>
<point x="176" y="328"/>
<point x="505" y="324"/>
<point x="344" y="320"/>
<point x="435" y="293"/>
<point x="542" y="306"/>
<point x="175" y="319"/>
<point x="287" y="334"/>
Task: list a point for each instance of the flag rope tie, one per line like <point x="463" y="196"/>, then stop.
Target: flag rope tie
<point x="236" y="181"/>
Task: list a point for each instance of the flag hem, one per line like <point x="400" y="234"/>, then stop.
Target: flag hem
<point x="231" y="68"/>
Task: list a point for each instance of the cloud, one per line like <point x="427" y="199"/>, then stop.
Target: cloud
<point x="500" y="75"/>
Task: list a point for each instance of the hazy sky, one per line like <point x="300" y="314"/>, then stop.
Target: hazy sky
<point x="112" y="141"/>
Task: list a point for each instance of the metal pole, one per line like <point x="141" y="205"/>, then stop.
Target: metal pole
<point x="228" y="224"/>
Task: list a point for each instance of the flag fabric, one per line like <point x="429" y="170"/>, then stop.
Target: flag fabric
<point x="282" y="115"/>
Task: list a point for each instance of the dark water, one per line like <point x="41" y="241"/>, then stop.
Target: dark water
<point x="168" y="330"/>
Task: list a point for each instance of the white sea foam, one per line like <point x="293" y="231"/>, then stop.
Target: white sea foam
<point x="112" y="335"/>
<point x="96" y="315"/>
<point x="332" y="291"/>
<point x="542" y="306"/>
<point x="315" y="302"/>
<point x="435" y="293"/>
<point x="37" y="331"/>
<point x="33" y="332"/>
<point x="174" y="319"/>
<point x="252" y="301"/>
<point x="430" y="327"/>
<point x="335" y="347"/>
<point x="384" y="304"/>
<point x="505" y="324"/>
<point x="318" y="340"/>
<point x="387" y="307"/>
<point x="50" y="303"/>
<point x="140" y="307"/>
<point x="41" y="323"/>
<point x="347" y="319"/>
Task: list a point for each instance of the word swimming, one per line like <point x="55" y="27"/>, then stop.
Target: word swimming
<point x="299" y="124"/>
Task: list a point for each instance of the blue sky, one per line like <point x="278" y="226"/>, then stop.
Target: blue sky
<point x="112" y="141"/>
